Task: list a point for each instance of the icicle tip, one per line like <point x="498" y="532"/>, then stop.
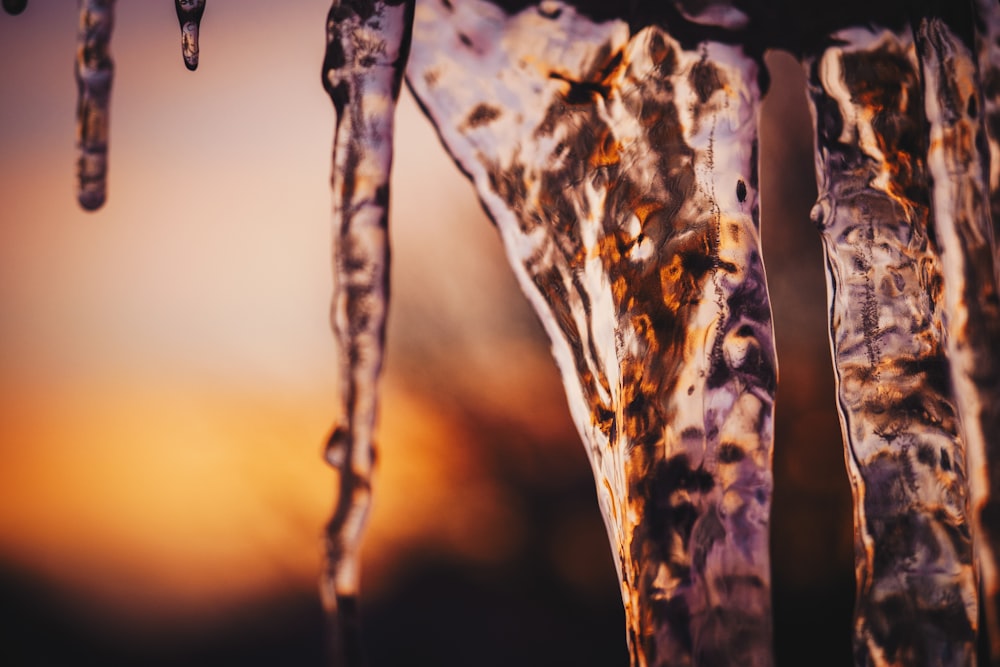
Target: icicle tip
<point x="14" y="7"/>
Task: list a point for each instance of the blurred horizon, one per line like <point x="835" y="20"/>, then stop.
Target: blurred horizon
<point x="167" y="379"/>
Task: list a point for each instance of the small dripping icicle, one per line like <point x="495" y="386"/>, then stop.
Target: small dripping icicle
<point x="94" y="72"/>
<point x="366" y="50"/>
<point x="14" y="7"/>
<point x="189" y="14"/>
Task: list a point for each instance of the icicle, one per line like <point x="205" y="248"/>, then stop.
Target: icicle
<point x="916" y="599"/>
<point x="189" y="15"/>
<point x="621" y="172"/>
<point x="958" y="160"/>
<point x="988" y="47"/>
<point x="14" y="7"/>
<point x="367" y="44"/>
<point x="94" y="70"/>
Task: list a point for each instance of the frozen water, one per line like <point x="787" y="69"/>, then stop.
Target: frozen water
<point x="189" y="14"/>
<point x="94" y="72"/>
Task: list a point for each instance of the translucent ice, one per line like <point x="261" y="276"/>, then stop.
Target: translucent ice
<point x="189" y="15"/>
<point x="94" y="72"/>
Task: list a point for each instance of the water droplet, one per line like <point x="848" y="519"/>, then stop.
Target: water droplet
<point x="338" y="448"/>
<point x="189" y="14"/>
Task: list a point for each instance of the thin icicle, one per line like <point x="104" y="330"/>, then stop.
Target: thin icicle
<point x="14" y="7"/>
<point x="189" y="14"/>
<point x="620" y="169"/>
<point x="94" y="71"/>
<point x="366" y="51"/>
<point x="988" y="47"/>
<point x="916" y="589"/>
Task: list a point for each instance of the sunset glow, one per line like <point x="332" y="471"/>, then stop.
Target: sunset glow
<point x="168" y="374"/>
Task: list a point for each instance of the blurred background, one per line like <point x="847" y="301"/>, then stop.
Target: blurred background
<point x="167" y="380"/>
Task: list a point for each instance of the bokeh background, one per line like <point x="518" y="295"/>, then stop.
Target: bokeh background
<point x="167" y="380"/>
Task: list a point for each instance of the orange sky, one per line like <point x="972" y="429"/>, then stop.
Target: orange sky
<point x="166" y="366"/>
<point x="167" y="373"/>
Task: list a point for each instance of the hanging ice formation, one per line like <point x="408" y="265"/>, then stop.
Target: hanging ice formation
<point x="620" y="168"/>
<point x="189" y="15"/>
<point x="366" y="49"/>
<point x="616" y="149"/>
<point x="94" y="72"/>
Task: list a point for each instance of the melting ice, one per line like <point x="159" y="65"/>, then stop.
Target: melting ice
<point x="94" y="72"/>
<point x="189" y="15"/>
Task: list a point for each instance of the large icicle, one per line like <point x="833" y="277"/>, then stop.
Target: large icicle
<point x="958" y="160"/>
<point x="94" y="70"/>
<point x="366" y="48"/>
<point x="189" y="14"/>
<point x="916" y="597"/>
<point x="621" y="171"/>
